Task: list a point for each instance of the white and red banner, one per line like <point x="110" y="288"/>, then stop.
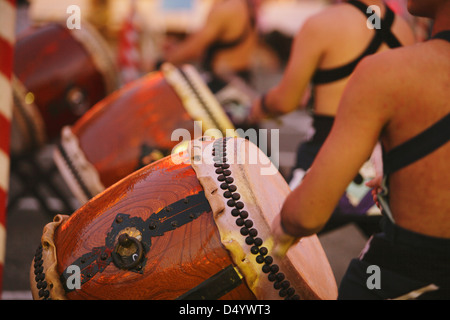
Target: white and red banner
<point x="7" y="39"/>
<point x="128" y="50"/>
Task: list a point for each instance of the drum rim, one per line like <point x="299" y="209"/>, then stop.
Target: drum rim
<point x="44" y="278"/>
<point x="198" y="100"/>
<point x="100" y="53"/>
<point x="216" y="180"/>
<point x="81" y="176"/>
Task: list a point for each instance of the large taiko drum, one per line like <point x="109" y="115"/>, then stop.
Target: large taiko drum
<point x="193" y="225"/>
<point x="136" y="125"/>
<point x="58" y="75"/>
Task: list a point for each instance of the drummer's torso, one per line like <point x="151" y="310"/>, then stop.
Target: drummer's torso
<point x="238" y="28"/>
<point x="235" y="60"/>
<point x="346" y="39"/>
<point x="419" y="193"/>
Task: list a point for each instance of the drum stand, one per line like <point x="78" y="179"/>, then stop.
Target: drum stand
<point x="32" y="178"/>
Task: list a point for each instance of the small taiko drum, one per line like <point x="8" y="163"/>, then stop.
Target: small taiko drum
<point x="58" y="75"/>
<point x="194" y="225"/>
<point x="142" y="122"/>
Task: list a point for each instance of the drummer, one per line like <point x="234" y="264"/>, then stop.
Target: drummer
<point x="387" y="99"/>
<point x="324" y="53"/>
<point x="224" y="44"/>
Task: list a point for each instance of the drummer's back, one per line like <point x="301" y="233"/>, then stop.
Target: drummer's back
<point x="419" y="78"/>
<point x="345" y="36"/>
<point x="238" y="35"/>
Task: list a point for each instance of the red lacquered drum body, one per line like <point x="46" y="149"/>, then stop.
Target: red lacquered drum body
<point x="182" y="228"/>
<point x="162" y="205"/>
<point x="59" y="74"/>
<point x="134" y="126"/>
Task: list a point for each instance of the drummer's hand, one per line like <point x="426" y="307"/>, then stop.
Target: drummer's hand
<point x="375" y="184"/>
<point x="256" y="113"/>
<point x="281" y="241"/>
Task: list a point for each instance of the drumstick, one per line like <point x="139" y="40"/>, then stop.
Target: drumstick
<point x="7" y="38"/>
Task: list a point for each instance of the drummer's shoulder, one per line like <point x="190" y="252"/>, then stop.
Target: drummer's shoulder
<point x="390" y="66"/>
<point x="334" y="13"/>
<point x="381" y="79"/>
<point x="227" y="8"/>
<point x="330" y="21"/>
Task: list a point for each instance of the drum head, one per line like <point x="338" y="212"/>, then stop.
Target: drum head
<point x="246" y="192"/>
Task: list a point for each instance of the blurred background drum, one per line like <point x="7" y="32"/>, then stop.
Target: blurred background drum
<point x="59" y="75"/>
<point x="191" y="226"/>
<point x="136" y="125"/>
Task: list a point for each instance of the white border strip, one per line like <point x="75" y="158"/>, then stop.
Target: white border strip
<point x="2" y="248"/>
<point x="6" y="100"/>
<point x="16" y="295"/>
<point x="4" y="170"/>
<point x="7" y="12"/>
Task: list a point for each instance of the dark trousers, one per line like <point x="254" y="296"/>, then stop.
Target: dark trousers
<point x="345" y="212"/>
<point x="407" y="261"/>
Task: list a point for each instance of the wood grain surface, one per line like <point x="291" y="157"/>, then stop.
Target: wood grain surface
<point x="177" y="261"/>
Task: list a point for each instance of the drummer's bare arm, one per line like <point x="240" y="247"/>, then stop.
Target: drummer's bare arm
<point x="306" y="52"/>
<point x="358" y="125"/>
<point x="195" y="45"/>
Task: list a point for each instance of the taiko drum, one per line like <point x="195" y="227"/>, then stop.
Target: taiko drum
<point x="58" y="75"/>
<point x="135" y="126"/>
<point x="194" y="226"/>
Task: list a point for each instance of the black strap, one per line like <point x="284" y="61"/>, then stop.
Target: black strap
<point x="166" y="220"/>
<point x="418" y="147"/>
<point x="386" y="23"/>
<point x="425" y="142"/>
<point x="443" y="35"/>
<point x="381" y="35"/>
<point x="218" y="46"/>
<point x="215" y="287"/>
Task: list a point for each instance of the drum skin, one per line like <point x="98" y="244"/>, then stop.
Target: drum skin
<point x="176" y="261"/>
<point x="61" y="73"/>
<point x="246" y="193"/>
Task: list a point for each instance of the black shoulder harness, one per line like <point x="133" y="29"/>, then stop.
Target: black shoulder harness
<point x="384" y="34"/>
<point x="418" y="147"/>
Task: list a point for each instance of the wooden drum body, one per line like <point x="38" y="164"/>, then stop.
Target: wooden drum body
<point x="134" y="126"/>
<point x="58" y="75"/>
<point x="185" y="227"/>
